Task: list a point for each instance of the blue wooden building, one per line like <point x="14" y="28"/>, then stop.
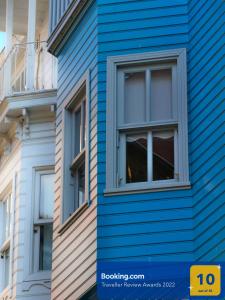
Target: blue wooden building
<point x="140" y="135"/>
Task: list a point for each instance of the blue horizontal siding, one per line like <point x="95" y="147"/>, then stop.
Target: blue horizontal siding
<point x="123" y="221"/>
<point x="206" y="66"/>
<point x="57" y="10"/>
<point x="147" y="225"/>
<point x="145" y="250"/>
<point x="169" y="225"/>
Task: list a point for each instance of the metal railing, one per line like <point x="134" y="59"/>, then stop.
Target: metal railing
<point x="27" y="68"/>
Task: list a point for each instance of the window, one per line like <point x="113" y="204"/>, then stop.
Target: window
<point x="147" y="121"/>
<point x="78" y="143"/>
<point x="75" y="160"/>
<point x="5" y="239"/>
<point x="43" y="220"/>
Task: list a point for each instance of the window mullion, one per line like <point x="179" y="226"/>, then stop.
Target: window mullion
<point x="150" y="157"/>
<point x="148" y="94"/>
<point x="121" y="95"/>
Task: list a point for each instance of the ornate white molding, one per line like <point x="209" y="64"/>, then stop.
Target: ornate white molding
<point x="28" y="285"/>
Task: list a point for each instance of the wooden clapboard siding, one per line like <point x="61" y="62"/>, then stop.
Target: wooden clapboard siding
<point x="206" y="62"/>
<point x="8" y="166"/>
<point x="74" y="251"/>
<point x="57" y="10"/>
<point x="171" y="225"/>
<point x="36" y="150"/>
<point x="157" y="225"/>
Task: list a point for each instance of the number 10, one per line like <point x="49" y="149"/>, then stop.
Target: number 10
<point x="210" y="279"/>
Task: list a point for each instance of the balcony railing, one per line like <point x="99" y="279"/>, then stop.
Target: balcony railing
<point x="27" y="68"/>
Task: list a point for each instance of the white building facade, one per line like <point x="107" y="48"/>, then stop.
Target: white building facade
<point x="27" y="151"/>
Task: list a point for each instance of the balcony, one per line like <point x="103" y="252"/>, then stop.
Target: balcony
<point x="28" y="68"/>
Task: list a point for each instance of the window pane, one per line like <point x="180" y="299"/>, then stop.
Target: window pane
<point x="136" y="158"/>
<point x="161" y="95"/>
<point x="135" y="91"/>
<point x="6" y="208"/>
<point x="47" y="196"/>
<point x="163" y="155"/>
<point x="7" y="260"/>
<point x="81" y="185"/>
<point x="45" y="251"/>
<point x="77" y="131"/>
<point x="84" y="125"/>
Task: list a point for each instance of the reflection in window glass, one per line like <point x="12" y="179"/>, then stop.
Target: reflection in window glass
<point x="136" y="158"/>
<point x="77" y="131"/>
<point x="84" y="131"/>
<point x="45" y="251"/>
<point x="161" y="95"/>
<point x="163" y="155"/>
<point x="135" y="94"/>
<point x="47" y="196"/>
<point x="81" y="185"/>
<point x="6" y="268"/>
<point x="6" y="214"/>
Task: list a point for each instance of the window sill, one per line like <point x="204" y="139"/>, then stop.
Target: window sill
<point x="147" y="188"/>
<point x="73" y="218"/>
<point x="41" y="279"/>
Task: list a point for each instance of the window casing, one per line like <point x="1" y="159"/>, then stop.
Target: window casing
<point x="77" y="167"/>
<point x="43" y="220"/>
<point x="75" y="157"/>
<point x="147" y="120"/>
<point x="5" y="238"/>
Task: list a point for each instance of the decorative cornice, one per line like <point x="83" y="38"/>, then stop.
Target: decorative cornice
<point x="62" y="30"/>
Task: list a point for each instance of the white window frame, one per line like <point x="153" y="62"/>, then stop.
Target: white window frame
<point x="175" y="59"/>
<point x="37" y="222"/>
<point x="5" y="241"/>
<point x="68" y="159"/>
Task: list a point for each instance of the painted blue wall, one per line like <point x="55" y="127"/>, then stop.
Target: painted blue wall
<point x="170" y="225"/>
<point x="179" y="225"/>
<point x="56" y="11"/>
<point x="158" y="225"/>
<point x="206" y="65"/>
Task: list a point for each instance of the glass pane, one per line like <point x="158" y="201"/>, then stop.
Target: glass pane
<point x="163" y="155"/>
<point x="45" y="251"/>
<point x="77" y="131"/>
<point x="81" y="185"/>
<point x="161" y="95"/>
<point x="47" y="196"/>
<point x="135" y="94"/>
<point x="84" y="125"/>
<point x="136" y="158"/>
<point x="7" y="259"/>
<point x="7" y="217"/>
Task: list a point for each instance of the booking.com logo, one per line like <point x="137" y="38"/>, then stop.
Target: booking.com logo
<point x="117" y="276"/>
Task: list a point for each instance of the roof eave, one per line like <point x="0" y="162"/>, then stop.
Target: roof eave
<point x="62" y="30"/>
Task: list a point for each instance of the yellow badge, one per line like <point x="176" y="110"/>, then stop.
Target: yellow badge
<point x="205" y="280"/>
